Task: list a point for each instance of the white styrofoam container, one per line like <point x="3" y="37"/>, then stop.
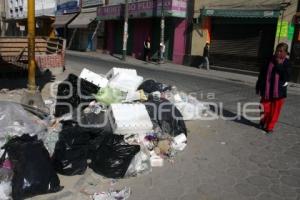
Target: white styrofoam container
<point x="125" y="82"/>
<point x="114" y="71"/>
<point x="94" y="78"/>
<point x="156" y="161"/>
<point x="130" y="119"/>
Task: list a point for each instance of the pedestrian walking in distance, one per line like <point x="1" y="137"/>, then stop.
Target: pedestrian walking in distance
<point x="205" y="56"/>
<point x="147" y="48"/>
<point x="162" y="49"/>
<point x="272" y="87"/>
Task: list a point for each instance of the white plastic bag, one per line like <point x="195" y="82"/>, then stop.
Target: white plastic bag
<point x="140" y="164"/>
<point x="189" y="106"/>
<point x="5" y="190"/>
<point x="179" y="142"/>
<point x="15" y="121"/>
<point x="113" y="195"/>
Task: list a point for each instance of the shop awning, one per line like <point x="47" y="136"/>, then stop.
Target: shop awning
<point x="63" y="20"/>
<point x="240" y="13"/>
<point x="83" y="20"/>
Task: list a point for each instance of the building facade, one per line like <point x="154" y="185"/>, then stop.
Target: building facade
<point x="145" y="21"/>
<point x="16" y="17"/>
<point x="295" y="51"/>
<point x="87" y="27"/>
<point x="2" y="17"/>
<point x="242" y="34"/>
<point x="66" y="11"/>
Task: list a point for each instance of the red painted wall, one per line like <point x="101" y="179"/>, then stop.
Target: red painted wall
<point x="142" y="29"/>
<point x="109" y="36"/>
<point x="179" y="41"/>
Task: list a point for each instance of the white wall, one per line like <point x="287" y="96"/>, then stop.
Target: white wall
<point x="17" y="9"/>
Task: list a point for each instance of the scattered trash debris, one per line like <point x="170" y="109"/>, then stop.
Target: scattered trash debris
<point x="5" y="190"/>
<point x="113" y="157"/>
<point x="108" y="95"/>
<point x="115" y="70"/>
<point x="73" y="148"/>
<point x="140" y="164"/>
<point x="130" y="119"/>
<point x="6" y="175"/>
<point x="123" y="194"/>
<point x="179" y="142"/>
<point x="118" y="125"/>
<point x="73" y="92"/>
<point x="136" y="96"/>
<point x="156" y="161"/>
<point x="150" y="86"/>
<point x="33" y="171"/>
<point x="99" y="80"/>
<point x="15" y="121"/>
<point x="125" y="82"/>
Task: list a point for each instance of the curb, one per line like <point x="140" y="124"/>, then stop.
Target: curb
<point x="249" y="80"/>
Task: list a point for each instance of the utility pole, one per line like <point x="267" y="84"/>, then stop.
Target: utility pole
<point x="125" y="33"/>
<point x="32" y="96"/>
<point x="162" y="26"/>
<point x="31" y="46"/>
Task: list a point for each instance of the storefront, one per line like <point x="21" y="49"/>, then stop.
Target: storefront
<point x="16" y="17"/>
<point x="295" y="52"/>
<point x="241" y="40"/>
<point x="61" y="22"/>
<point x="85" y="27"/>
<point x="145" y="21"/>
<point x="66" y="11"/>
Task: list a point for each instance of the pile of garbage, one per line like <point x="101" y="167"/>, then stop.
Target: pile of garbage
<point x="117" y="124"/>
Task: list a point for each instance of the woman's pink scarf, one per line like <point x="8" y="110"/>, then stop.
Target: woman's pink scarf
<point x="269" y="82"/>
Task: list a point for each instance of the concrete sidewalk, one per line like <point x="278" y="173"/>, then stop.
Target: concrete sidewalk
<point x="180" y="69"/>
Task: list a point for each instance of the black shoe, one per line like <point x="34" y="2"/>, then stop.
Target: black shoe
<point x="269" y="132"/>
<point x="261" y="125"/>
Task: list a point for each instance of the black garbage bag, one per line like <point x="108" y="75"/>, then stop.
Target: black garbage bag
<point x="74" y="147"/>
<point x="99" y="120"/>
<point x="33" y="170"/>
<point x="169" y="118"/>
<point x="150" y="86"/>
<point x="113" y="158"/>
<point x="72" y="92"/>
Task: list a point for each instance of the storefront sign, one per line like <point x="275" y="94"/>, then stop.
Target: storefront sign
<point x="109" y="12"/>
<point x="150" y="8"/>
<point x="67" y="6"/>
<point x="89" y="3"/>
<point x="115" y="2"/>
<point x="282" y="29"/>
<point x="240" y="13"/>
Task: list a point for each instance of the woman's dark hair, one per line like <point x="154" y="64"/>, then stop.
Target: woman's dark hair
<point x="284" y="46"/>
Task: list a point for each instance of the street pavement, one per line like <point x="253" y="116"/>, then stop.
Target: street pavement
<point x="225" y="159"/>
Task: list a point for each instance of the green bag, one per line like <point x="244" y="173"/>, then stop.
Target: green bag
<point x="109" y="95"/>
